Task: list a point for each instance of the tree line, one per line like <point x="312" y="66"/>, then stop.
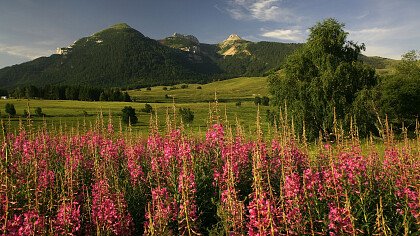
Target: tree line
<point x="65" y="92"/>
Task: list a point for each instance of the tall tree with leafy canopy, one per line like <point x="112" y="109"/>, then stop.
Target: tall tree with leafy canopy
<point x="325" y="74"/>
<point x="400" y="92"/>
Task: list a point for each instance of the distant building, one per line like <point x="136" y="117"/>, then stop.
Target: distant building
<point x="3" y="97"/>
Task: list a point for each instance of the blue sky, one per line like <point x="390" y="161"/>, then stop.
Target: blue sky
<point x="34" y="28"/>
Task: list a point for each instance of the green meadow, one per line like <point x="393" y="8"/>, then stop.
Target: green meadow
<point x="68" y="113"/>
<point x="231" y="90"/>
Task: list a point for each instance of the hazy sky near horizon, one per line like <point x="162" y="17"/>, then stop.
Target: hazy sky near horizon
<point x="34" y="28"/>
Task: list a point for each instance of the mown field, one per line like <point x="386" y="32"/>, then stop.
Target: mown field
<point x="73" y="113"/>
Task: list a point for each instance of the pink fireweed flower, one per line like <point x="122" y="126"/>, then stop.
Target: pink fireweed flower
<point x="313" y="182"/>
<point x="161" y="212"/>
<point x="45" y="179"/>
<point x="353" y="166"/>
<point x="187" y="215"/>
<point x="134" y="155"/>
<point x="68" y="219"/>
<point x="215" y="135"/>
<point x="109" y="212"/>
<point x="408" y="195"/>
<point x="109" y="150"/>
<point x="261" y="214"/>
<point x="28" y="223"/>
<point x="340" y="223"/>
<point x="293" y="196"/>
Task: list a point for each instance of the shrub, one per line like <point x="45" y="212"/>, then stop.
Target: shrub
<point x="165" y="88"/>
<point x="187" y="115"/>
<point x="10" y="109"/>
<point x="147" y="108"/>
<point x="199" y="87"/>
<point x="148" y="88"/>
<point x="38" y="111"/>
<point x="127" y="97"/>
<point x="265" y="101"/>
<point x="129" y="115"/>
<point x="238" y="103"/>
<point x="257" y="100"/>
<point x="184" y="86"/>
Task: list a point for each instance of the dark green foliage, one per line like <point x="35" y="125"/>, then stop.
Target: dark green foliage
<point x="38" y="111"/>
<point x="3" y="92"/>
<point x="148" y="89"/>
<point x="178" y="42"/>
<point x="147" y="108"/>
<point x="25" y="113"/>
<point x="65" y="92"/>
<point x="10" y="109"/>
<point x="198" y="87"/>
<point x="165" y="88"/>
<point x="129" y="115"/>
<point x="257" y="100"/>
<point x="271" y="117"/>
<point x="323" y="76"/>
<point x="187" y="115"/>
<point x="114" y="95"/>
<point x="365" y="112"/>
<point x="184" y="86"/>
<point x="127" y="97"/>
<point x="400" y="93"/>
<point x="265" y="101"/>
<point x="238" y="103"/>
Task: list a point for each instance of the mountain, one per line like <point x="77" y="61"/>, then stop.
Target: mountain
<point x="115" y="57"/>
<point x="121" y="56"/>
<point x="235" y="56"/>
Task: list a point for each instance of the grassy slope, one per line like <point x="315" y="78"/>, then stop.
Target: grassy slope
<point x="244" y="88"/>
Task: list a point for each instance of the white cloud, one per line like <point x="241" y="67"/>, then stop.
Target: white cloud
<point x="23" y="52"/>
<point x="374" y="33"/>
<point x="379" y="41"/>
<point x="262" y="10"/>
<point x="285" y="34"/>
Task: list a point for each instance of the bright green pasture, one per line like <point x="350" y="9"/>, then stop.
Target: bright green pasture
<point x="76" y="113"/>
<point x="238" y="89"/>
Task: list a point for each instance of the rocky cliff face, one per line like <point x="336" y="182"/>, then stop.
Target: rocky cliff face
<point x="234" y="45"/>
<point x="233" y="37"/>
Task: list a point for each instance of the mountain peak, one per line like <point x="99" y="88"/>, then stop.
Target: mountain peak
<point x="233" y="37"/>
<point x="191" y="38"/>
<point x="120" y="26"/>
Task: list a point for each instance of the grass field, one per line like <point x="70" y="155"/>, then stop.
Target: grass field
<point x="238" y="89"/>
<point x="72" y="113"/>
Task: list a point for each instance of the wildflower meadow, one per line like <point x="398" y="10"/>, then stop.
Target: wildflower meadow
<point x="97" y="180"/>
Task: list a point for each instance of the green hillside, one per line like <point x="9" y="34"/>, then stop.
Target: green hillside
<point x="245" y="88"/>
